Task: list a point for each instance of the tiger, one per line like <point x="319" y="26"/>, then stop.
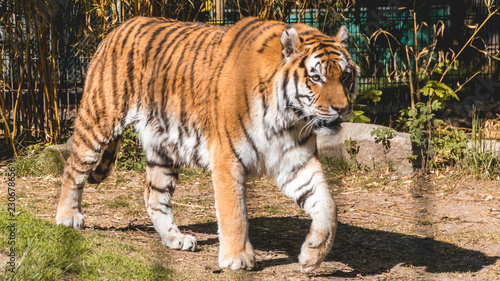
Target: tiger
<point x="244" y="100"/>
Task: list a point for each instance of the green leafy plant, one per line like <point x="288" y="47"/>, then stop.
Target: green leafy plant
<point x="131" y="156"/>
<point x="450" y="146"/>
<point x="358" y="115"/>
<point x="420" y="123"/>
<point x="384" y="136"/>
<point x="438" y="91"/>
<point x="352" y="149"/>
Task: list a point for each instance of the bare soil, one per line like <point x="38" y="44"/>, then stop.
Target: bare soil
<point x="418" y="227"/>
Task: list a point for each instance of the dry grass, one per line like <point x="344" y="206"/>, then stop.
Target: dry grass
<point x="491" y="128"/>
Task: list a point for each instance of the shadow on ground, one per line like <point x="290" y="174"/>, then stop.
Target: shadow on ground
<point x="366" y="251"/>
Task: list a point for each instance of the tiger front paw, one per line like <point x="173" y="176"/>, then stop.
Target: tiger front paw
<point x="180" y="242"/>
<point x="70" y="218"/>
<point x="243" y="259"/>
<point x="317" y="245"/>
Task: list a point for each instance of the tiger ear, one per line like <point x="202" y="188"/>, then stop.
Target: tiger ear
<point x="342" y="35"/>
<point x="289" y="42"/>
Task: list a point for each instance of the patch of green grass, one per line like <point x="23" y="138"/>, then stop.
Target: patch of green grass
<point x="188" y="173"/>
<point x="336" y="165"/>
<point x="112" y="261"/>
<point x="45" y="251"/>
<point x="48" y="162"/>
<point x="273" y="209"/>
<point x="119" y="201"/>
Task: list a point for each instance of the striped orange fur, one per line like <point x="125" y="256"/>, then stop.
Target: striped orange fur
<point x="243" y="100"/>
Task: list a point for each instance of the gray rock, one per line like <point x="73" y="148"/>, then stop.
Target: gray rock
<point x="365" y="150"/>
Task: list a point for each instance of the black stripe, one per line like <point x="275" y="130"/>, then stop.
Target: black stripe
<point x="302" y="199"/>
<point x="186" y="32"/>
<point x="266" y="41"/>
<point x="152" y="38"/>
<point x="234" y="150"/>
<point x="178" y="66"/>
<point x="293" y="172"/>
<point x="81" y="171"/>
<point x="285" y="82"/>
<point x="158" y="63"/>
<point x="308" y="32"/>
<point x="113" y="39"/>
<point x="240" y="32"/>
<point x="196" y="154"/>
<point x="161" y="44"/>
<point x="91" y="129"/>
<point x="307" y="183"/>
<point x="296" y="78"/>
<point x="171" y="174"/>
<point x="247" y="135"/>
<point x="87" y="142"/>
<point x="130" y="56"/>
<point x="166" y="190"/>
<point x="114" y="83"/>
<point x="319" y="47"/>
<point x="160" y="210"/>
<point x="195" y="59"/>
<point x="134" y="27"/>
<point x="130" y="67"/>
<point x="177" y="41"/>
<point x="302" y="64"/>
<point x="264" y="105"/>
<point x="156" y="164"/>
<point x="289" y="104"/>
<point x="215" y="42"/>
<point x="69" y="176"/>
<point x="320" y="56"/>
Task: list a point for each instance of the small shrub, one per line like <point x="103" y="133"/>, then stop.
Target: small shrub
<point x="450" y="146"/>
<point x="384" y="136"/>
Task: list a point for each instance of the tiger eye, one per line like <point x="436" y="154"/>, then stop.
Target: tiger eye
<point x="316" y="78"/>
<point x="345" y="75"/>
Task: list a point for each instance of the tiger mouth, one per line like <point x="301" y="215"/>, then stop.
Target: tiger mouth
<point x="327" y="123"/>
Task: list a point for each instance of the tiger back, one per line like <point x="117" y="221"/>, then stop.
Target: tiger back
<point x="243" y="100"/>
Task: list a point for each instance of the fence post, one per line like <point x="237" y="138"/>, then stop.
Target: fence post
<point x="219" y="11"/>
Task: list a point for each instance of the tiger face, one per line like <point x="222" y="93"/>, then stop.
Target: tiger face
<point x="324" y="83"/>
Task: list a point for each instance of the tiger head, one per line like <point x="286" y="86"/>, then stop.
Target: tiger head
<point x="319" y="78"/>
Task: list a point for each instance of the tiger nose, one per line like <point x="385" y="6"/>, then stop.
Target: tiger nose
<point x="339" y="109"/>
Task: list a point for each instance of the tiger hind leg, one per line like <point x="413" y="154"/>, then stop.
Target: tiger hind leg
<point x="161" y="180"/>
<point x="105" y="166"/>
<point x="85" y="161"/>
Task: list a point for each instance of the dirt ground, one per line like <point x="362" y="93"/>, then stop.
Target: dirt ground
<point x="417" y="227"/>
